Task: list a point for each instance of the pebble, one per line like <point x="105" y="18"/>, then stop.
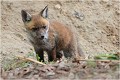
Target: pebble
<point x="118" y="12"/>
<point x="57" y="6"/>
<point x="71" y="75"/>
<point x="79" y="15"/>
<point x="51" y="73"/>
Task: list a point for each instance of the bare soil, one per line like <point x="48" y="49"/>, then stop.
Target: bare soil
<point x="98" y="27"/>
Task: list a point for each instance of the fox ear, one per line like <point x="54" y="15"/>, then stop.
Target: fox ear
<point x="44" y="12"/>
<point x="26" y="17"/>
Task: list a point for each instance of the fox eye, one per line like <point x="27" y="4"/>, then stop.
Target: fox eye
<point x="35" y="29"/>
<point x="44" y="27"/>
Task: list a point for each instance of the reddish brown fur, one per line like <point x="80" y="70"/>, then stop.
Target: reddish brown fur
<point x="65" y="35"/>
<point x="36" y="19"/>
<point x="61" y="38"/>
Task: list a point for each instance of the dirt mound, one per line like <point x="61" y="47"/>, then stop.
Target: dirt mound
<point x="96" y="21"/>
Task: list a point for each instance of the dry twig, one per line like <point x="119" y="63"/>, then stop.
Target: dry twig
<point x="29" y="59"/>
<point x="118" y="61"/>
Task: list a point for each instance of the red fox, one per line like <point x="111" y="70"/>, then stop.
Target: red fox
<point x="52" y="37"/>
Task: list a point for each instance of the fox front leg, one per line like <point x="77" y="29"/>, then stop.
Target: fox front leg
<point x="52" y="55"/>
<point x="40" y="54"/>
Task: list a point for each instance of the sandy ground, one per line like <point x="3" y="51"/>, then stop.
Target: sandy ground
<point x="97" y="22"/>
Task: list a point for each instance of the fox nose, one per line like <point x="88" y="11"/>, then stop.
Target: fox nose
<point x="42" y="37"/>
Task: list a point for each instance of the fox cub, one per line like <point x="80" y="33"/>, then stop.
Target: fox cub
<point x="52" y="37"/>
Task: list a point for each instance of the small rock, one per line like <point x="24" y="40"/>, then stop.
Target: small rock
<point x="36" y="71"/>
<point x="61" y="65"/>
<point x="79" y="15"/>
<point x="16" y="72"/>
<point x="71" y="75"/>
<point x="61" y="72"/>
<point x="36" y="76"/>
<point x="117" y="12"/>
<point x="51" y="73"/>
<point x="105" y="0"/>
<point x="118" y="53"/>
<point x="57" y="6"/>
<point x="11" y="75"/>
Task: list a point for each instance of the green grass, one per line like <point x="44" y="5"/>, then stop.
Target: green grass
<point x="15" y="63"/>
<point x="8" y="64"/>
<point x="107" y="56"/>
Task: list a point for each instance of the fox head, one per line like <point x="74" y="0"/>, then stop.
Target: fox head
<point x="37" y="25"/>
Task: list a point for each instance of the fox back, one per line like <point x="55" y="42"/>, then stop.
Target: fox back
<point x="52" y="37"/>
